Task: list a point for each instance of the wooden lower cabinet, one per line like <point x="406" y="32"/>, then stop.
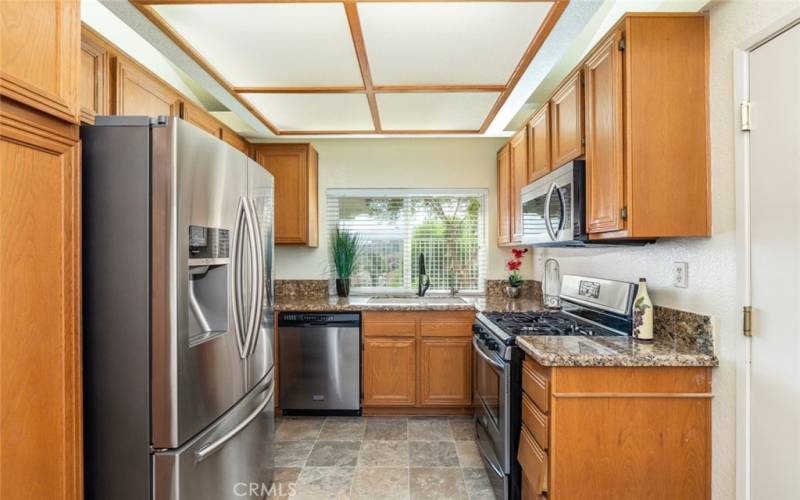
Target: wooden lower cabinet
<point x="417" y="361"/>
<point x="40" y="361"/>
<point x="445" y="372"/>
<point x="616" y="433"/>
<point x="389" y="371"/>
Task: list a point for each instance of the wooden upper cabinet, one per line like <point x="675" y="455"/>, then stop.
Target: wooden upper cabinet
<point x="519" y="179"/>
<point x="504" y="195"/>
<point x="136" y="92"/>
<point x="93" y="78"/>
<point x="389" y="371"/>
<point x="294" y="167"/>
<point x="235" y="140"/>
<point x="445" y="371"/>
<point x="201" y="118"/>
<point x="40" y="55"/>
<point x="605" y="197"/>
<point x="40" y="346"/>
<point x="539" y="144"/>
<point x="567" y="115"/>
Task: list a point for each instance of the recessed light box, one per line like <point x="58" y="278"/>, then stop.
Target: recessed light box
<point x="435" y="110"/>
<point x="315" y="112"/>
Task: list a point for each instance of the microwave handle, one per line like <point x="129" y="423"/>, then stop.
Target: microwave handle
<point x="554" y="188"/>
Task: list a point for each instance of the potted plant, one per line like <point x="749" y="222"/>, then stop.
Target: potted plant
<point x="345" y="251"/>
<point x="515" y="279"/>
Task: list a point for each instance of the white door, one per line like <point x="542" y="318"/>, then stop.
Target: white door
<point x="774" y="83"/>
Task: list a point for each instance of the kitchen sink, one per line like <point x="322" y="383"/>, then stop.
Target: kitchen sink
<point x="430" y="301"/>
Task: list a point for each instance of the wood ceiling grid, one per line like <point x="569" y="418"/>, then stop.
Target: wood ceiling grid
<point x="368" y="88"/>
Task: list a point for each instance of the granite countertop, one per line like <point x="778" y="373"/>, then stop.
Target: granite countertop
<point x="361" y="303"/>
<point x="613" y="351"/>
<point x="546" y="350"/>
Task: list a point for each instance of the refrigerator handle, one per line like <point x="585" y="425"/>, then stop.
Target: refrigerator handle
<point x="236" y="271"/>
<point x="209" y="448"/>
<point x="257" y="278"/>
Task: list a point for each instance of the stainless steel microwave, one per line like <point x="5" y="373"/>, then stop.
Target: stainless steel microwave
<point x="553" y="208"/>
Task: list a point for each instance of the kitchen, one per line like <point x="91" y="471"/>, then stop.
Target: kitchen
<point x="569" y="148"/>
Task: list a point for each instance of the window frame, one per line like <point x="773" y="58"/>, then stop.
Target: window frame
<point x="483" y="239"/>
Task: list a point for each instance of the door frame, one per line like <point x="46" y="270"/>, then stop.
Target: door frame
<point x="741" y="93"/>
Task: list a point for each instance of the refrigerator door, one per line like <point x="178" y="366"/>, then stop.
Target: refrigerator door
<point x="230" y="460"/>
<point x="199" y="187"/>
<point x="261" y="194"/>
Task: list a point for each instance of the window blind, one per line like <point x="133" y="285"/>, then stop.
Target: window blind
<point x="395" y="226"/>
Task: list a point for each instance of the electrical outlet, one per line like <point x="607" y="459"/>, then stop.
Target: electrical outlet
<point x="680" y="274"/>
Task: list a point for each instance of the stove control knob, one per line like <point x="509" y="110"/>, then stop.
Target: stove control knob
<point x="480" y="331"/>
<point x="492" y="345"/>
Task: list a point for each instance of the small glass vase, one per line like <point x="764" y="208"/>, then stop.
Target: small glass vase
<point x="512" y="292"/>
<point x="343" y="287"/>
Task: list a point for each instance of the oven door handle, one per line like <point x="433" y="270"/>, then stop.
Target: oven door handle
<point x="485" y="357"/>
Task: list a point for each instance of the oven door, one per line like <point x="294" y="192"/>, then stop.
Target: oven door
<point x="547" y="208"/>
<point x="493" y="387"/>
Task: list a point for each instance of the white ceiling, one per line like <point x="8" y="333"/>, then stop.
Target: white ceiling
<point x="302" y="46"/>
<point x="315" y="112"/>
<point x="435" y="111"/>
<point x="265" y="45"/>
<point x="450" y="42"/>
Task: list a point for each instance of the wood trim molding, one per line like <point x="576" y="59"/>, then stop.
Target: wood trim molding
<point x="439" y="88"/>
<point x="173" y="35"/>
<point x="527" y="57"/>
<point x="302" y="90"/>
<point x="178" y="2"/>
<point x="366" y="132"/>
<point x="353" y="21"/>
<point x="635" y="395"/>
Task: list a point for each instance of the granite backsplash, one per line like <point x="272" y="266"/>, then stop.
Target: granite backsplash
<point x="301" y="288"/>
<point x="531" y="289"/>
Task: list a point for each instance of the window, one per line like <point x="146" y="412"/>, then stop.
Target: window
<point x="396" y="225"/>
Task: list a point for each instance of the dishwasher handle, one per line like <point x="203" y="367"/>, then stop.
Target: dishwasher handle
<point x="313" y="319"/>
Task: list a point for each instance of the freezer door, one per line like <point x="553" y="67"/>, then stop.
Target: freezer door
<point x="198" y="221"/>
<point x="231" y="460"/>
<point x="260" y="186"/>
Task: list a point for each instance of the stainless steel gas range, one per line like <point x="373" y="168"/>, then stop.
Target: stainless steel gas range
<point x="590" y="307"/>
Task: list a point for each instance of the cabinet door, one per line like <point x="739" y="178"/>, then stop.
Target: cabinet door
<point x="504" y="196"/>
<point x="94" y="79"/>
<point x="137" y="93"/>
<point x="289" y="164"/>
<point x="539" y="144"/>
<point x="40" y="365"/>
<point x="201" y="119"/>
<point x="604" y="153"/>
<point x="40" y="55"/>
<point x="389" y="371"/>
<point x="445" y="372"/>
<point x="567" y="114"/>
<point x="519" y="179"/>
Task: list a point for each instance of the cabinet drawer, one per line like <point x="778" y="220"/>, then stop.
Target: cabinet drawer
<point x="390" y="329"/>
<point x="533" y="461"/>
<point x="536" y="384"/>
<point x="445" y="329"/>
<point x="535" y="421"/>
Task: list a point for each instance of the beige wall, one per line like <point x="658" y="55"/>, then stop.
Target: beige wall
<point x="712" y="266"/>
<point x="398" y="163"/>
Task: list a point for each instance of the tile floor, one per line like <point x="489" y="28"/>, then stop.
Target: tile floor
<point x="378" y="458"/>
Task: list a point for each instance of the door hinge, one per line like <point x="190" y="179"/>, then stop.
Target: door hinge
<point x="623" y="213"/>
<point x="745" y="111"/>
<point x="747" y="321"/>
<point x="621" y="44"/>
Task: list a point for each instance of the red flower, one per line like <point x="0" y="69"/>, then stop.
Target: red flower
<point x="513" y="265"/>
<point x="519" y="252"/>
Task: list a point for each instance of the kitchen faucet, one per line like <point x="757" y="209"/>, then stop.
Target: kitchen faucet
<point x="424" y="281"/>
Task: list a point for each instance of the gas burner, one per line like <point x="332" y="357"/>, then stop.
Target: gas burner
<point x="545" y="323"/>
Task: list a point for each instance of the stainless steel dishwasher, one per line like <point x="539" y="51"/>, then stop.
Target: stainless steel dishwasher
<point x="319" y="363"/>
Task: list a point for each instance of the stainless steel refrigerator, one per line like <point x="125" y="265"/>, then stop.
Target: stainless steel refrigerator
<point x="177" y="314"/>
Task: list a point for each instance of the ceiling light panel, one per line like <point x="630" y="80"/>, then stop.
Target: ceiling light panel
<point x="270" y="45"/>
<point x="314" y="112"/>
<point x="448" y="42"/>
<point x="434" y="110"/>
